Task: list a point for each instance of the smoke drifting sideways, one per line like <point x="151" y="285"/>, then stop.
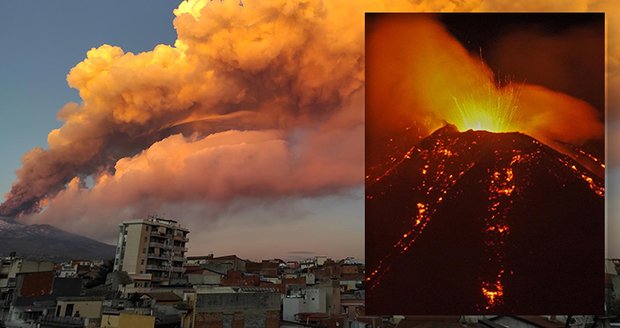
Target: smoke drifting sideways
<point x="282" y="77"/>
<point x="264" y="99"/>
<point x="425" y="77"/>
<point x="293" y="72"/>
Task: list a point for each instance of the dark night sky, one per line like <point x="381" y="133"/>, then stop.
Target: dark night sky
<point x="480" y="29"/>
<point x="562" y="51"/>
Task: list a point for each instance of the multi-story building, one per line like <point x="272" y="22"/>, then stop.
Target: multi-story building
<point x="10" y="269"/>
<point x="153" y="246"/>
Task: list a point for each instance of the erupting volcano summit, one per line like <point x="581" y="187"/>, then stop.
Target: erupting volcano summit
<point x="480" y="220"/>
<point x="485" y="193"/>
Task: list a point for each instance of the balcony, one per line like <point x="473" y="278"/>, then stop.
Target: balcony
<point x="52" y="321"/>
<point x="178" y="258"/>
<point x="155" y="256"/>
<point x="160" y="235"/>
<point x="156" y="233"/>
<point x="179" y="248"/>
<point x="160" y="279"/>
<point x="181" y="238"/>
<point x="157" y="267"/>
<point x="177" y="269"/>
<point x="160" y="245"/>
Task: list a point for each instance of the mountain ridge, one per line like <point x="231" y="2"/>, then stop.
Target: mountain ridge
<point x="46" y="242"/>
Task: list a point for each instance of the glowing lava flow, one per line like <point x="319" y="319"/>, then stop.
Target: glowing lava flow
<point x="435" y="186"/>
<point x="501" y="188"/>
<point x="591" y="157"/>
<point x="583" y="175"/>
<point x="446" y="168"/>
<point x="389" y="170"/>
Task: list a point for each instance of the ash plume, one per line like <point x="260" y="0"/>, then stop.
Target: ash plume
<point x="290" y="74"/>
<point x="296" y="68"/>
<point x="231" y="69"/>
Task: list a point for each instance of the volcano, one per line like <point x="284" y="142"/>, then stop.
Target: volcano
<point x="47" y="243"/>
<point x="481" y="222"/>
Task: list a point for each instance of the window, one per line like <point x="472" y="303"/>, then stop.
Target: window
<point x="69" y="310"/>
<point x="144" y="251"/>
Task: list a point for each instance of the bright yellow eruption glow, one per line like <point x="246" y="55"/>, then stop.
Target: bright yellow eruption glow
<point x="494" y="110"/>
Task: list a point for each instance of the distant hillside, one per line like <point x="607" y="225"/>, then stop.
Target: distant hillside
<point x="44" y="242"/>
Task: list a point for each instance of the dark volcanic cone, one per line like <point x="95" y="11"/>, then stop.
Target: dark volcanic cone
<point x="44" y="242"/>
<point x="480" y="222"/>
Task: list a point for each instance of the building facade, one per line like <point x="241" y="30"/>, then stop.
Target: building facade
<point x="236" y="307"/>
<point x="154" y="246"/>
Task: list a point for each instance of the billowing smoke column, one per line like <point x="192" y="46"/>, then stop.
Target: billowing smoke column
<point x="264" y="99"/>
<point x="250" y="97"/>
<point x="291" y="72"/>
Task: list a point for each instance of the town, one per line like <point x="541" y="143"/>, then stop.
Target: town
<point x="153" y="283"/>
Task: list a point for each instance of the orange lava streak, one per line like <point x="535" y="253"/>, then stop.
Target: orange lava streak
<point x="598" y="189"/>
<point x="388" y="171"/>
<point x="499" y="228"/>
<point x="493" y="293"/>
<point x="439" y="183"/>
<point x="591" y="157"/>
<point x="501" y="188"/>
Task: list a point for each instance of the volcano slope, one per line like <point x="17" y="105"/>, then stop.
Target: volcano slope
<point x="47" y="243"/>
<point x="481" y="222"/>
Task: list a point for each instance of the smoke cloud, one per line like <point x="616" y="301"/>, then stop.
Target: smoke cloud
<point x="418" y="69"/>
<point x="262" y="101"/>
<point x="292" y="73"/>
<point x="552" y="59"/>
<point x="282" y="66"/>
<point x="611" y="9"/>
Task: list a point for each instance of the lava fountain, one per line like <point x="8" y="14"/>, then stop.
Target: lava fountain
<point x="470" y="175"/>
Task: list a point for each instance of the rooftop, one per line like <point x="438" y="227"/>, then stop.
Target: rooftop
<point x="164" y="296"/>
<point x="156" y="221"/>
<point x="81" y="298"/>
<point x="233" y="290"/>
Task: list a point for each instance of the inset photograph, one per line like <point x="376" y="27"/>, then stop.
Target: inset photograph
<point x="485" y="163"/>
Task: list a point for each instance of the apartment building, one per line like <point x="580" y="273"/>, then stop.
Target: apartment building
<point x="154" y="246"/>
